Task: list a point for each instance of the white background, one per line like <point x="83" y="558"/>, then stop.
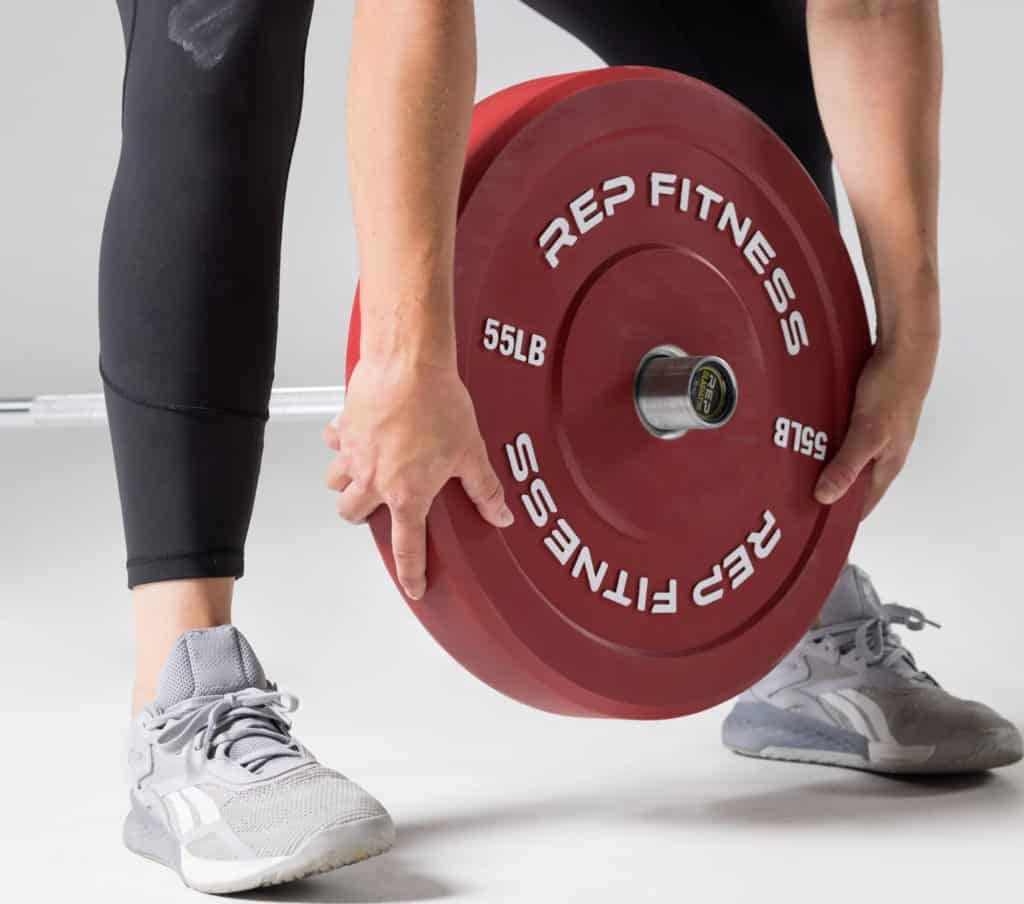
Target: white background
<point x="494" y="802"/>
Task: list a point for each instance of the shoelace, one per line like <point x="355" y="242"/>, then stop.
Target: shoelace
<point x="873" y="639"/>
<point x="215" y="725"/>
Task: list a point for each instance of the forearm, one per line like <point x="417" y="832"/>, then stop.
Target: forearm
<point x="878" y="77"/>
<point x="410" y="97"/>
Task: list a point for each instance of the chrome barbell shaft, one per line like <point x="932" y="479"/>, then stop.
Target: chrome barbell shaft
<point x="82" y="409"/>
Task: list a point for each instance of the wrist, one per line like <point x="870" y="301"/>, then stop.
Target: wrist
<point x="409" y="341"/>
<point x="913" y="355"/>
<point x="408" y="350"/>
<point x="410" y="360"/>
<point x="407" y="327"/>
<point x="908" y="308"/>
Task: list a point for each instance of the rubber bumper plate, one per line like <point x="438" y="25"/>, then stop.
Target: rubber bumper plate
<point x="606" y="217"/>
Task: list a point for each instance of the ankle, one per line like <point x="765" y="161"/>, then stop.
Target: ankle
<point x="142" y="696"/>
<point x="163" y="612"/>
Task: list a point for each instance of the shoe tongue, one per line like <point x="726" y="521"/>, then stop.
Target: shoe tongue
<point x="854" y="597"/>
<point x="208" y="661"/>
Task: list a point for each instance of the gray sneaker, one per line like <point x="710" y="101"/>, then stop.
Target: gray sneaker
<point x="850" y="694"/>
<point x="222" y="792"/>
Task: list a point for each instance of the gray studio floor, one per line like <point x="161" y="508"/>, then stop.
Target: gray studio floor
<point x="494" y="802"/>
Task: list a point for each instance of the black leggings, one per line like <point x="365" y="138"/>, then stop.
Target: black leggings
<point x="189" y="271"/>
<point x="189" y="266"/>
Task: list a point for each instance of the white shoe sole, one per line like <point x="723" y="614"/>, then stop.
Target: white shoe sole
<point x="761" y="731"/>
<point x="342" y="846"/>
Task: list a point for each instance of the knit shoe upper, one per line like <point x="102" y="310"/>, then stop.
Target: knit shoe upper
<point x="223" y="792"/>
<point x="851" y="694"/>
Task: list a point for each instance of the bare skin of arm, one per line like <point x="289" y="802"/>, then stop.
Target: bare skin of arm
<point x="408" y="426"/>
<point x="878" y="78"/>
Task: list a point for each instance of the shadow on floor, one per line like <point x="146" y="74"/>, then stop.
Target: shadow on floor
<point x="385" y="878"/>
<point x="817" y="798"/>
<point x="866" y="799"/>
<point x="788" y="795"/>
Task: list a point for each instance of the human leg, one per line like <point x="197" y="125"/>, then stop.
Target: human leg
<point x="222" y="791"/>
<point x="188" y="295"/>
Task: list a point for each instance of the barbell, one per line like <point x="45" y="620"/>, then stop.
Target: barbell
<point x="661" y="331"/>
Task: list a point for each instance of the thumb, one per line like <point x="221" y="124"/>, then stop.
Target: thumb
<point x="484" y="489"/>
<point x="861" y="446"/>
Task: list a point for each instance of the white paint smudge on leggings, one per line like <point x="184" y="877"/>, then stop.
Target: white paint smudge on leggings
<point x="205" y="29"/>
